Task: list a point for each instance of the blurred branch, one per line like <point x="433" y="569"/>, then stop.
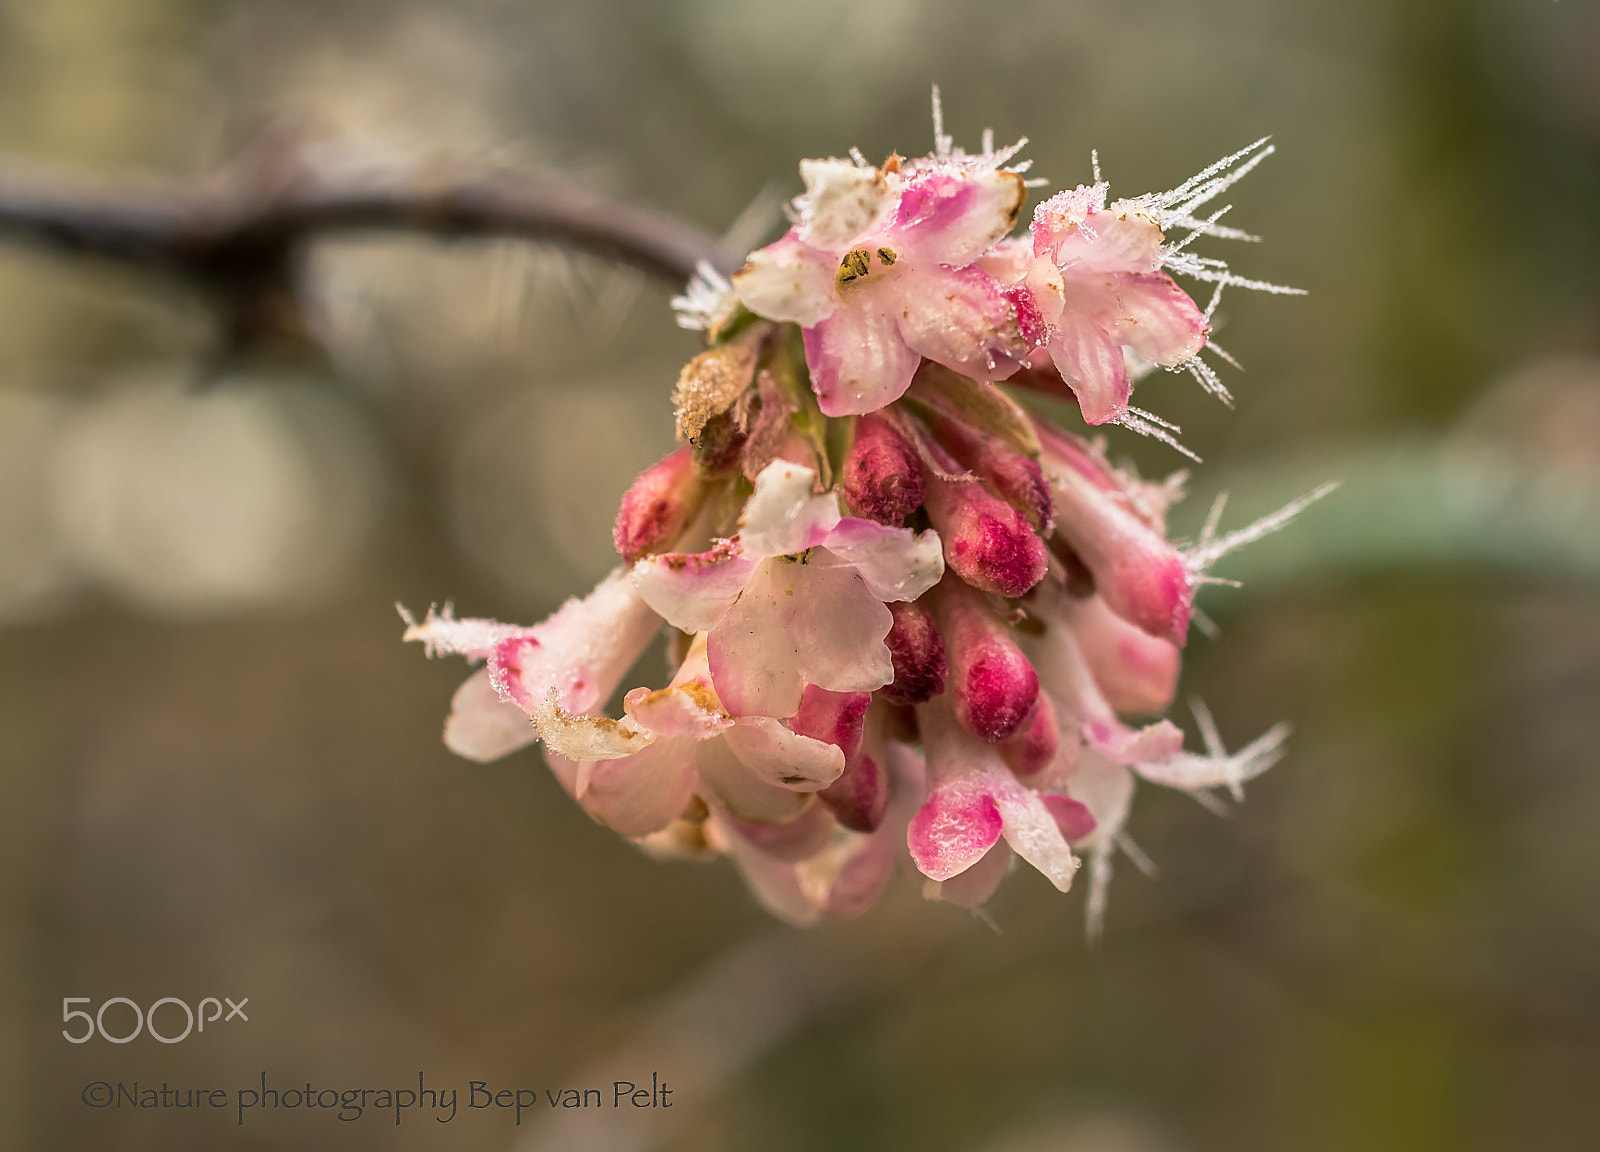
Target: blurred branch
<point x="241" y="234"/>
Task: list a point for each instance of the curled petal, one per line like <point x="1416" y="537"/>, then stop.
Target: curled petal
<point x="1090" y="361"/>
<point x="894" y="563"/>
<point x="691" y="591"/>
<point x="579" y="737"/>
<point x="972" y="800"/>
<point x="836" y="717"/>
<point x="754" y="662"/>
<point x="1157" y="319"/>
<point x="774" y="753"/>
<point x="858" y="360"/>
<point x="726" y="781"/>
<point x="838" y="626"/>
<point x="960" y="318"/>
<point x="782" y="516"/>
<point x="642" y="793"/>
<point x="860" y="796"/>
<point x="952" y="217"/>
<point x="482" y="726"/>
<point x="788" y="280"/>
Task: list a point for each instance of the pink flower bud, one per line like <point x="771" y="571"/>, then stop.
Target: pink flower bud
<point x="880" y="478"/>
<point x="1137" y="672"/>
<point x="860" y="797"/>
<point x="995" y="686"/>
<point x="917" y="650"/>
<point x="1035" y="744"/>
<point x="987" y="542"/>
<point x="662" y="500"/>
<point x="1071" y="816"/>
<point x="1014" y="475"/>
<point x="835" y="717"/>
<point x="1141" y="577"/>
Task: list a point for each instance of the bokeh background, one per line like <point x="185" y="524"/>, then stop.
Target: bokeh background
<point x="222" y="770"/>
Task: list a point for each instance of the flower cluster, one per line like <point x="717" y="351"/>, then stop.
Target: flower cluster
<point x="910" y="617"/>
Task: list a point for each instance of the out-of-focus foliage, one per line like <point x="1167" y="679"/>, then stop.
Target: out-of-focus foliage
<point x="223" y="773"/>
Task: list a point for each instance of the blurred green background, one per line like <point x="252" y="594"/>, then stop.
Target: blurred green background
<point x="222" y="770"/>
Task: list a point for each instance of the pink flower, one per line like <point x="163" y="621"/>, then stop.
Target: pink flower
<point x="1096" y="286"/>
<point x="879" y="272"/>
<point x="796" y="598"/>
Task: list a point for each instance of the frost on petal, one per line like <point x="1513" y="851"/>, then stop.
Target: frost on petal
<point x="955" y="826"/>
<point x="482" y="726"/>
<point x="1157" y="319"/>
<point x="579" y="654"/>
<point x="686" y="708"/>
<point x="691" y="591"/>
<point x="1219" y="769"/>
<point x="973" y="798"/>
<point x="1062" y="215"/>
<point x="1091" y="363"/>
<point x="1118" y="239"/>
<point x="948" y="216"/>
<point x="841" y="201"/>
<point x="858" y="360"/>
<point x="441" y="634"/>
<point x="774" y="753"/>
<point x="782" y="515"/>
<point x="960" y="318"/>
<point x="731" y="785"/>
<point x="895" y="563"/>
<point x="788" y="280"/>
<point x="642" y="793"/>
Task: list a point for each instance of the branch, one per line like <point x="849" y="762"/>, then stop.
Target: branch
<point x="241" y="234"/>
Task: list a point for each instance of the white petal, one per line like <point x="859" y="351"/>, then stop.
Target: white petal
<point x="895" y="563"/>
<point x="482" y="726"/>
<point x="768" y="748"/>
<point x="782" y="515"/>
<point x="841" y="201"/>
<point x="788" y="281"/>
<point x="691" y="591"/>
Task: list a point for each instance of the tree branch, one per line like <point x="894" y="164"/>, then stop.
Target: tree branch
<point x="242" y="233"/>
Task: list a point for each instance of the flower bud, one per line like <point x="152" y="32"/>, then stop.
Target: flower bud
<point x="987" y="542"/>
<point x="917" y="651"/>
<point x="880" y="478"/>
<point x="1137" y="672"/>
<point x="1014" y="475"/>
<point x="835" y="717"/>
<point x="994" y="685"/>
<point x="1035" y="744"/>
<point x="1141" y="577"/>
<point x="658" y="506"/>
<point x="860" y="797"/>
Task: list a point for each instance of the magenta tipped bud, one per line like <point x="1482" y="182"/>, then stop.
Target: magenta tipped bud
<point x="880" y="478"/>
<point x="860" y="796"/>
<point x="658" y="506"/>
<point x="1141" y="577"/>
<point x="1035" y="744"/>
<point x="1015" y="475"/>
<point x="834" y="717"/>
<point x="993" y="683"/>
<point x="917" y="651"/>
<point x="987" y="542"/>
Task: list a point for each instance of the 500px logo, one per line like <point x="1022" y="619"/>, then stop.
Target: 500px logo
<point x="195" y="1019"/>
